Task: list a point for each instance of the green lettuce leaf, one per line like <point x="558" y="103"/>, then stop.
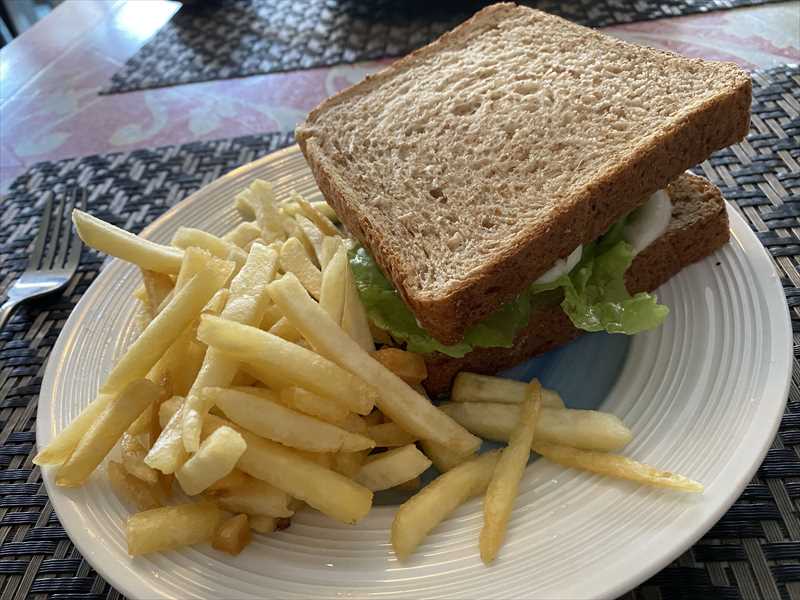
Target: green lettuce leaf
<point x="594" y="298"/>
<point x="387" y="310"/>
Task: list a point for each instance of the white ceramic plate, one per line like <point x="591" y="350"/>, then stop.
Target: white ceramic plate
<point x="703" y="395"/>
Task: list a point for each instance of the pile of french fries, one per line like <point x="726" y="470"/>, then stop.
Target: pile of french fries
<point x="255" y="389"/>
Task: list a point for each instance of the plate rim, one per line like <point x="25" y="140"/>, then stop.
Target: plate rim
<point x="124" y="579"/>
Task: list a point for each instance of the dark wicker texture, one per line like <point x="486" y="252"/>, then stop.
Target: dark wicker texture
<point x="209" y="40"/>
<point x="753" y="552"/>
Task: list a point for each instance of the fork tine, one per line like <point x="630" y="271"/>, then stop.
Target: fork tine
<point x="41" y="235"/>
<point x="51" y="247"/>
<point x="75" y="245"/>
<point x="66" y="230"/>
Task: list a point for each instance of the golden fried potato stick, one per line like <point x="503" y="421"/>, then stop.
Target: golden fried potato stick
<point x="586" y="429"/>
<point x="421" y="513"/>
<point x="171" y="527"/>
<point x="614" y="465"/>
<point x="106" y="430"/>
<point x="504" y="486"/>
<point x="403" y="405"/>
<point x="246" y="303"/>
<point x="148" y="348"/>
<point x="114" y="241"/>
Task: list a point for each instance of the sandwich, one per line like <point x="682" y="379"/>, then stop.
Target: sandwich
<point x="522" y="180"/>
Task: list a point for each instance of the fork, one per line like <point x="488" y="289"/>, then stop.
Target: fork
<point x="47" y="271"/>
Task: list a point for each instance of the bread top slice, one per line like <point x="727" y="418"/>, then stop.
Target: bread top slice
<point x="470" y="166"/>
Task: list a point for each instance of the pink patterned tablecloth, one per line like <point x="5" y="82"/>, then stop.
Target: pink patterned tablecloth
<point x="51" y="75"/>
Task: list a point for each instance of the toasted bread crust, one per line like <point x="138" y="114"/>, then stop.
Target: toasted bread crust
<point x="717" y="123"/>
<point x="699" y="227"/>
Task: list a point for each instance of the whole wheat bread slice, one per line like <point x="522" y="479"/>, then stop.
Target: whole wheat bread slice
<point x="470" y="166"/>
<point x="699" y="226"/>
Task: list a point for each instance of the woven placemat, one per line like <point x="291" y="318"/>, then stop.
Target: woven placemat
<point x="753" y="552"/>
<point x="209" y="40"/>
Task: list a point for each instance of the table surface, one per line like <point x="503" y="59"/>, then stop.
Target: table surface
<point x="50" y="78"/>
<point x="51" y="75"/>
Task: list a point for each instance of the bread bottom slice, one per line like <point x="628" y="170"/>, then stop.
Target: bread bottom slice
<point x="699" y="226"/>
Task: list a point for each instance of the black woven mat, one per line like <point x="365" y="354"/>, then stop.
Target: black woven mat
<point x="220" y="39"/>
<point x="753" y="552"/>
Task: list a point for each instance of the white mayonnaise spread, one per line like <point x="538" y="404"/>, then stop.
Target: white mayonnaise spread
<point x="645" y="225"/>
<point x="562" y="266"/>
<point x="648" y="222"/>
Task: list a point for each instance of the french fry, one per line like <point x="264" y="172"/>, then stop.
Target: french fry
<point x="195" y="261"/>
<point x="391" y="468"/>
<point x="256" y="497"/>
<point x="183" y="378"/>
<point x="389" y="435"/>
<point x="167" y="453"/>
<point x="472" y="387"/>
<point x="443" y="457"/>
<point x="168" y="408"/>
<point x="292" y="208"/>
<point x="421" y="513"/>
<point x="314" y="405"/>
<point x="349" y="463"/>
<point x="396" y="399"/>
<point x="330" y="245"/>
<point x="184" y="307"/>
<point x="186" y="237"/>
<point x="117" y="242"/>
<point x="332" y="291"/>
<point x="177" y="368"/>
<point x="140" y="293"/>
<point x="262" y="524"/>
<point x="133" y="454"/>
<point x="232" y="480"/>
<point x="245" y="205"/>
<point x="243" y="234"/>
<point x="504" y="485"/>
<point x="265" y="376"/>
<point x="272" y="314"/>
<point x="246" y="302"/>
<point x="141" y="318"/>
<point x="217" y="303"/>
<point x="142" y="423"/>
<point x="294" y="259"/>
<point x="215" y="458"/>
<point x="269" y="355"/>
<point x="408" y="366"/>
<point x="157" y="287"/>
<point x="109" y="426"/>
<point x="314" y="236"/>
<point x="283" y="329"/>
<point x="272" y="420"/>
<point x="320" y="220"/>
<point x="585" y="429"/>
<point x="614" y="465"/>
<point x="171" y="527"/>
<point x="232" y="535"/>
<point x="327" y="491"/>
<point x="64" y="442"/>
<point x="128" y="488"/>
<point x="262" y="199"/>
<point x="354" y="316"/>
<point x="323" y="459"/>
<point x="353" y="423"/>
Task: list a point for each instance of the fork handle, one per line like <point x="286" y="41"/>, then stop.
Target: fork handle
<point x="6" y="310"/>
